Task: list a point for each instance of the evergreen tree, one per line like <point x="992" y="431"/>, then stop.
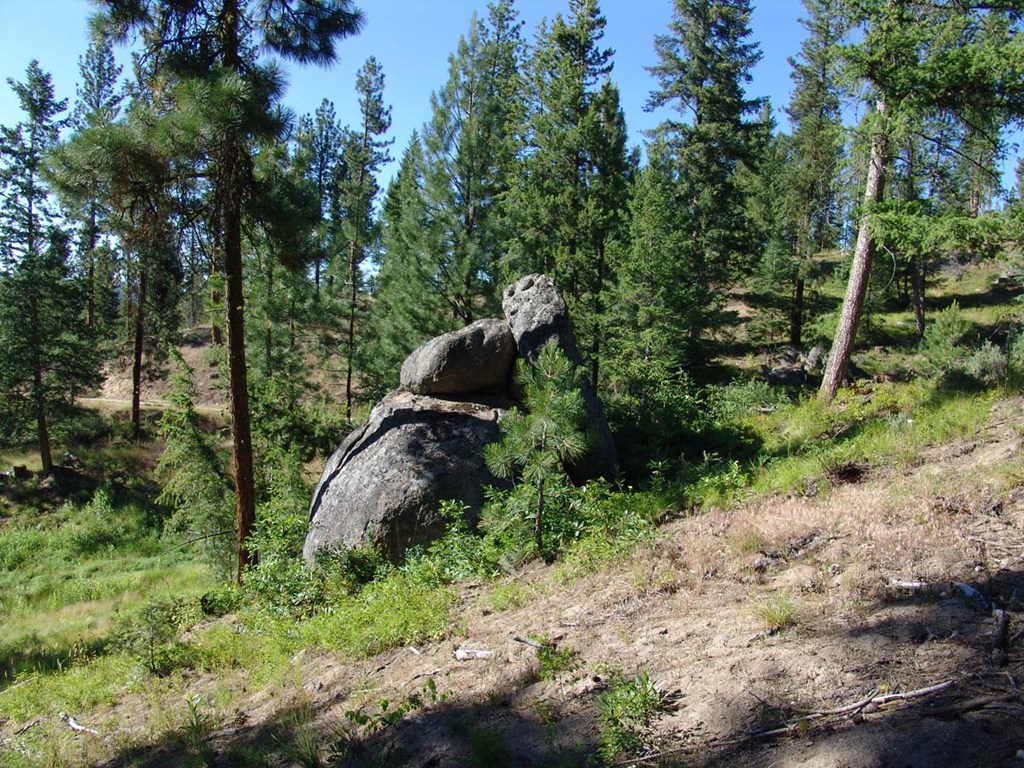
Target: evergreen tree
<point x="319" y="145"/>
<point x="46" y="356"/>
<point x="26" y="211"/>
<point x="919" y="58"/>
<point x="213" y="49"/>
<point x="364" y="152"/>
<point x="776" y="284"/>
<point x="467" y="157"/>
<point x="445" y="224"/>
<point x="816" y="150"/>
<point x="127" y="169"/>
<point x="538" y="443"/>
<point x="704" y="64"/>
<point x="409" y="306"/>
<point x="570" y="200"/>
<point x="689" y="232"/>
<point x="98" y="104"/>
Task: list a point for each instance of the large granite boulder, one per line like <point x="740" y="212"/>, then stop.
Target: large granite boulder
<point x="424" y="443"/>
<point x="383" y="485"/>
<point x="474" y="359"/>
<point x="537" y="314"/>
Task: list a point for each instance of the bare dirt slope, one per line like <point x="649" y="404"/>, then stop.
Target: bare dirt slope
<point x="906" y="647"/>
<point x="195" y="350"/>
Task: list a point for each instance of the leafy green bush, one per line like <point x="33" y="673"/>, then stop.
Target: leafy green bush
<point x="554" y="660"/>
<point x="954" y="362"/>
<point x="656" y="415"/>
<point x="627" y="710"/>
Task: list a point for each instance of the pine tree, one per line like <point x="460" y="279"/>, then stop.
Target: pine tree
<point x="98" y="104"/>
<point x="27" y="211"/>
<point x="127" y="170"/>
<point x="919" y="58"/>
<point x="570" y="199"/>
<point x="467" y="163"/>
<point x="46" y="357"/>
<point x="319" y="145"/>
<point x="409" y="306"/>
<point x="816" y="149"/>
<point x="364" y="151"/>
<point x="689" y="232"/>
<point x="540" y="441"/>
<point x="704" y="64"/>
<point x="445" y="224"/>
<point x="213" y="48"/>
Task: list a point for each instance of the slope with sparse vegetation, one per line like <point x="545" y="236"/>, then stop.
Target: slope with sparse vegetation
<point x="799" y="592"/>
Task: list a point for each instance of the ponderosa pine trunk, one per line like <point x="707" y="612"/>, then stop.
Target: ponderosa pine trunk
<point x="538" y="520"/>
<point x="860" y="270"/>
<point x="796" y="317"/>
<point x="231" y="183"/>
<point x="917" y="287"/>
<point x="42" y="430"/>
<point x="140" y="337"/>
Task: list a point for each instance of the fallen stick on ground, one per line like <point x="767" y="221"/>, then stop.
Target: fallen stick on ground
<point x="872" y="703"/>
<point x="75" y="726"/>
<point x="25" y="728"/>
<point x="529" y="641"/>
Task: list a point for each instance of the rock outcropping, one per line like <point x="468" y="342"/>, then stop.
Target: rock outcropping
<point x="423" y="443"/>
<point x="384" y="484"/>
<point x="537" y="314"/>
<point x="474" y="359"/>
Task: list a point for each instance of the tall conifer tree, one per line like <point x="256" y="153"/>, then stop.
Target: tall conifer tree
<point x="689" y="229"/>
<point x="98" y="103"/>
<point x="46" y="356"/>
<point x="213" y="48"/>
<point x="571" y="197"/>
<point x="445" y="222"/>
<point x="364" y="151"/>
<point x="816" y="148"/>
<point x="919" y="58"/>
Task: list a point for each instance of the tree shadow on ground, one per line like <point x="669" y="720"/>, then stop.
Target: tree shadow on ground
<point x="997" y="294"/>
<point x="921" y="637"/>
<point x="491" y="732"/>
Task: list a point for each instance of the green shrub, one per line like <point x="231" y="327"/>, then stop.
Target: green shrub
<point x="554" y="660"/>
<point x="150" y="633"/>
<point x="193" y="470"/>
<point x="626" y="711"/>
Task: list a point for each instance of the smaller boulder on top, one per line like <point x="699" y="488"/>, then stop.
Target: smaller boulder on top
<point x="474" y="359"/>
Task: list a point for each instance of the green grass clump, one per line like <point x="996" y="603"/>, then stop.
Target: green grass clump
<point x="802" y="443"/>
<point x="77" y="689"/>
<point x="775" y="611"/>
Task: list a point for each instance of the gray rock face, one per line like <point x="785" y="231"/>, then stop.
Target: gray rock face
<point x="424" y="442"/>
<point x="474" y="359"/>
<point x="537" y="314"/>
<point x="384" y="483"/>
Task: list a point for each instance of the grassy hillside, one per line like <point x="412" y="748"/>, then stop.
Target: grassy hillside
<point x="823" y="586"/>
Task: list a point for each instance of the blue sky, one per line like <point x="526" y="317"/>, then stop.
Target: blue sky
<point x="412" y="39"/>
